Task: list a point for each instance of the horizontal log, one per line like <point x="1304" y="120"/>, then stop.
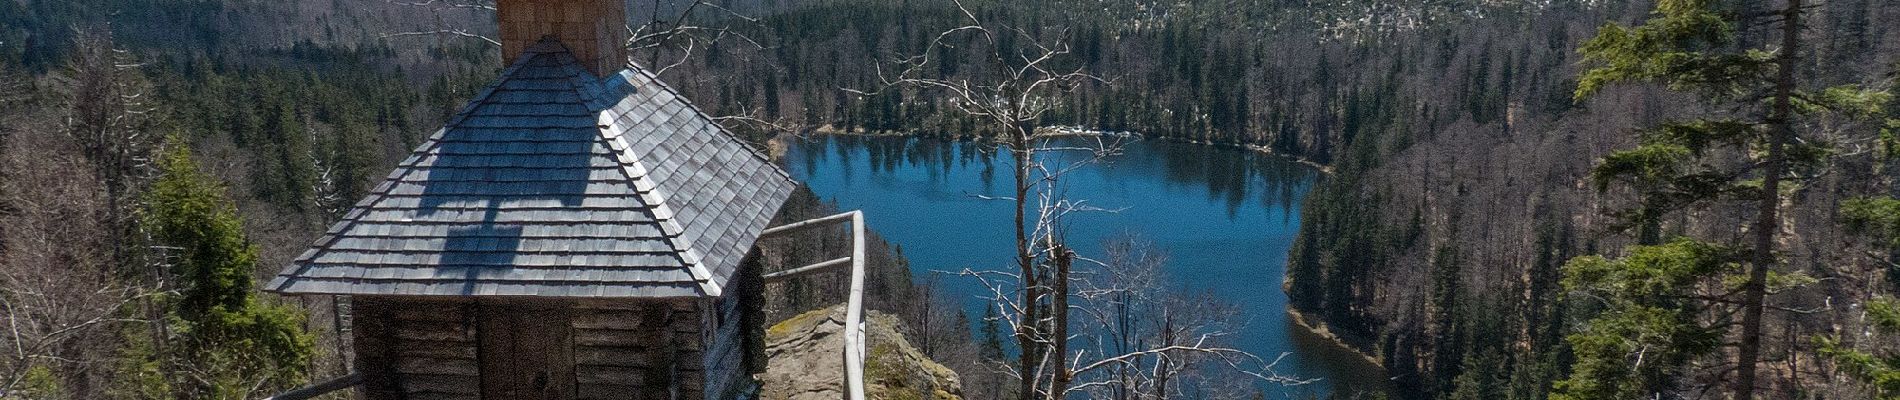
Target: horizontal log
<point x="615" y="320"/>
<point x="618" y="392"/>
<point x="603" y="375"/>
<point x="612" y="356"/>
<point x="425" y="313"/>
<point x="435" y="331"/>
<point x="441" y="396"/>
<point x="806" y="224"/>
<point x="438" y="366"/>
<point x="613" y="338"/>
<point x="441" y="350"/>
<point x="619" y="304"/>
<point x="442" y="384"/>
<point x="779" y="276"/>
<point x="691" y="379"/>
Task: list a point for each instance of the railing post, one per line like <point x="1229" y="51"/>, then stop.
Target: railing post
<point x="854" y="312"/>
<point x="854" y="328"/>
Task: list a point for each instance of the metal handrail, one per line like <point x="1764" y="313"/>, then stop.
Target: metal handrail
<point x="854" y="349"/>
<point x="321" y="388"/>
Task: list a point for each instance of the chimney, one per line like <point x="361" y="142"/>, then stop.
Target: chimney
<point x="594" y="30"/>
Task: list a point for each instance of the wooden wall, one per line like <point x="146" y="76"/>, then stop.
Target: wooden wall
<point x="638" y="350"/>
<point x="427" y="348"/>
<point x="416" y="348"/>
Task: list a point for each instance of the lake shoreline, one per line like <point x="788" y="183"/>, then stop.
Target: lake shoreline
<point x="829" y="130"/>
<point x="1227" y="216"/>
<point x="1319" y="328"/>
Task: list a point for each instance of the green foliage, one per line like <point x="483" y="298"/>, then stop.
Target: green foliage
<point x="1874" y="217"/>
<point x="991" y="335"/>
<point x="38" y="382"/>
<point x="1680" y="46"/>
<point x="1652" y="273"/>
<point x="228" y="339"/>
<point x="1852" y="101"/>
<point x="1890" y="139"/>
<point x="1879" y="372"/>
<point x="1650" y="163"/>
<point x="1650" y="326"/>
<point x="1632" y="352"/>
<point x="1481" y="379"/>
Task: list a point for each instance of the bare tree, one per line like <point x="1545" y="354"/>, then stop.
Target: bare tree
<point x="61" y="291"/>
<point x="1127" y="305"/>
<point x="1030" y="80"/>
<point x="109" y="117"/>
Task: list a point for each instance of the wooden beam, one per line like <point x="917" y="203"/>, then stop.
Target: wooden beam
<point x="854" y="313"/>
<point x="807" y="224"/>
<point x="854" y="347"/>
<point x="796" y="272"/>
<point x="321" y="388"/>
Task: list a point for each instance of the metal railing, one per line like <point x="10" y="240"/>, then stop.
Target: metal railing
<point x="854" y="349"/>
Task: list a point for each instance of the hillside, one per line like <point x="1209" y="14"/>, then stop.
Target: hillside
<point x="1460" y="161"/>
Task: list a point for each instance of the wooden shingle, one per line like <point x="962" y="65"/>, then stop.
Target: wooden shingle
<point x="552" y="182"/>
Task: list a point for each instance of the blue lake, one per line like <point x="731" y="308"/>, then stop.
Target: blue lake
<point x="1225" y="217"/>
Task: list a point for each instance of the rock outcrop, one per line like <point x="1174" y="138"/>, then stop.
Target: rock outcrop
<point x="805" y="361"/>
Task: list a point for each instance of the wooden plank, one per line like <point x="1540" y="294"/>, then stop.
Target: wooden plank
<point x="372" y="337"/>
<point x="437" y="366"/>
<point x="447" y="384"/>
<point x="612" y="338"/>
<point x="614" y="305"/>
<point x="497" y="328"/>
<point x="441" y="350"/>
<point x="434" y="331"/>
<point x="432" y="313"/>
<point x="614" y="392"/>
<point x="612" y="320"/>
<point x="614" y="356"/>
<point x="441" y="396"/>
<point x="527" y="350"/>
<point x="604" y="375"/>
<point x="556" y="327"/>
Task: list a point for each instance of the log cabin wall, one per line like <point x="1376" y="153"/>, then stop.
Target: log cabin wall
<point x="639" y="349"/>
<point x="417" y="349"/>
<point x="425" y="348"/>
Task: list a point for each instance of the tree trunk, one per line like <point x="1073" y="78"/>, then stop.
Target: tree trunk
<point x="1059" y="324"/>
<point x="1768" y="219"/>
<point x="1028" y="328"/>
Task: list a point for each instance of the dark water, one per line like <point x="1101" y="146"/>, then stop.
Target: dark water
<point x="1225" y="217"/>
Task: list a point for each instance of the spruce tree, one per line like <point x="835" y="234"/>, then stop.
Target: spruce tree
<point x="1655" y="299"/>
<point x="222" y="330"/>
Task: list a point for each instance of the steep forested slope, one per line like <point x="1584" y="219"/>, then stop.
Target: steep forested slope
<point x="1459" y="157"/>
<point x="1444" y="256"/>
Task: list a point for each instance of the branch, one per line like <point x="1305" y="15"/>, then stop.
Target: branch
<point x="452" y="32"/>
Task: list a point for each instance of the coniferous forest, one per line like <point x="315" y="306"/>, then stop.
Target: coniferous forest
<point x="1540" y="199"/>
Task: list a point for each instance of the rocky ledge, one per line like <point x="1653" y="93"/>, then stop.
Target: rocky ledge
<point x="805" y="361"/>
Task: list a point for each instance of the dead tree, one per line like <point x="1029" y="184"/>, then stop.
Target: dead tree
<point x="109" y="117"/>
<point x="62" y="290"/>
<point x="1034" y="299"/>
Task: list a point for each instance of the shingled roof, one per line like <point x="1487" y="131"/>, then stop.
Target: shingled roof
<point x="555" y="183"/>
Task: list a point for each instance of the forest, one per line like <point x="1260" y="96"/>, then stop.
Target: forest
<point x="1549" y="199"/>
